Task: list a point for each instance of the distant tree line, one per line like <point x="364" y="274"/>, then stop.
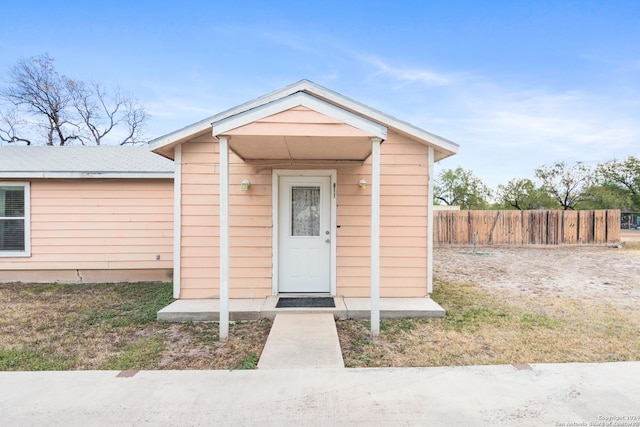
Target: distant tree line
<point x="609" y="185"/>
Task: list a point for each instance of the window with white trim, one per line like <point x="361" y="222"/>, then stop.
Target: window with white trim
<point x="14" y="219"/>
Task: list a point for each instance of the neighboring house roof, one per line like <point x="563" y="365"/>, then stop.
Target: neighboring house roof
<point x="443" y="147"/>
<point x="83" y="162"/>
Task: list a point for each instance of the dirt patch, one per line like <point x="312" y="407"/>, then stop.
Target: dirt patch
<point x="630" y="236"/>
<point x="515" y="305"/>
<point x="589" y="273"/>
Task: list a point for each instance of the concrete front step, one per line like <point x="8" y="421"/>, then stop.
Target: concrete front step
<point x="307" y="340"/>
<point x="208" y="310"/>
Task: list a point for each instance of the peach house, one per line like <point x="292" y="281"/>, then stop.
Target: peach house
<point x="85" y="214"/>
<point x="302" y="191"/>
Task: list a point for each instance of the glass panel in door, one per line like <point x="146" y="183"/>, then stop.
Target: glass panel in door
<point x="305" y="211"/>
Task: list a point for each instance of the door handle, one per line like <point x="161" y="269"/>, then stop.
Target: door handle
<point x="327" y="241"/>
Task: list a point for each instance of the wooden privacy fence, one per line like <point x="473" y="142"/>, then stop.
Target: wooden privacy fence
<point x="526" y="227"/>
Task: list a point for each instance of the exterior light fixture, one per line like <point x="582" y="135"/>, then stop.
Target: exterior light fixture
<point x="245" y="184"/>
<point x="362" y="183"/>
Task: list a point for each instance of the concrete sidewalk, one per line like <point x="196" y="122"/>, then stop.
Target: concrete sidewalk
<point x="537" y="395"/>
<point x="302" y="341"/>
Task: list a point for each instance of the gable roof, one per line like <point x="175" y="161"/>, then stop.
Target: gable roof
<point x="83" y="162"/>
<point x="164" y="144"/>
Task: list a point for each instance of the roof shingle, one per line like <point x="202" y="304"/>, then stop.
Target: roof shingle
<point x="82" y="162"/>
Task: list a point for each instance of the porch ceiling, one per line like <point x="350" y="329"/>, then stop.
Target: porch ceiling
<point x="298" y="147"/>
<point x="300" y="127"/>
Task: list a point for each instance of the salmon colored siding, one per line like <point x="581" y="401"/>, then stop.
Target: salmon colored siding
<point x="298" y="121"/>
<point x="250" y="225"/>
<point x="403" y="223"/>
<point x="98" y="225"/>
<point x="403" y="252"/>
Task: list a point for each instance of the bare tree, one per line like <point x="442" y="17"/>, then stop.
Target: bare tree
<point x="65" y="110"/>
<point x="135" y="117"/>
<point x="9" y="132"/>
<point x="101" y="113"/>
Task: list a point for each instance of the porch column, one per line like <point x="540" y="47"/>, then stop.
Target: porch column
<point x="430" y="156"/>
<point x="224" y="237"/>
<point x="375" y="236"/>
<point x="177" y="221"/>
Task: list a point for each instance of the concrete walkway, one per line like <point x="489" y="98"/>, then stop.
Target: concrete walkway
<point x="539" y="395"/>
<point x="302" y="341"/>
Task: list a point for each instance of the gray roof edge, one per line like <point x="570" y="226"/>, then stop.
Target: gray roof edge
<point x="382" y="117"/>
<point x="313" y="89"/>
<point x="83" y="162"/>
<point x="84" y="174"/>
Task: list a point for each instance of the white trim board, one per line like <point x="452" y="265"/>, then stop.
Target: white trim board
<point x="430" y="177"/>
<point x="295" y="100"/>
<point x="321" y="93"/>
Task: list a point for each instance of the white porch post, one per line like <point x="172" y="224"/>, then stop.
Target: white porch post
<point x="177" y="221"/>
<point x="375" y="236"/>
<point x="224" y="238"/>
<point x="430" y="156"/>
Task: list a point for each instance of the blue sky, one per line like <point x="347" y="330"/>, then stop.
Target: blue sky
<point x="518" y="84"/>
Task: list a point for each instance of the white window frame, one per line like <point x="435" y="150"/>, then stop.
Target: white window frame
<point x="27" y="219"/>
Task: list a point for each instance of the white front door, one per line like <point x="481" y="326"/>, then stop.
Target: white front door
<point x="304" y="224"/>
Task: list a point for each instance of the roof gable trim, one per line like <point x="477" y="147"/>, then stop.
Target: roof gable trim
<point x="390" y="121"/>
<point x="294" y="100"/>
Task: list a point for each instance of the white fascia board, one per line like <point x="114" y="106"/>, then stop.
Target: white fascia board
<point x="300" y="99"/>
<point x="181" y="134"/>
<point x="89" y="175"/>
<point x="308" y="87"/>
<point x="381" y="117"/>
<point x="205" y="124"/>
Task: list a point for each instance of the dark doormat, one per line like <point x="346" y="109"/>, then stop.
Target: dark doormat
<point x="313" y="302"/>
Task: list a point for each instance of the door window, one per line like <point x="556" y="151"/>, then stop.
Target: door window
<point x="305" y="211"/>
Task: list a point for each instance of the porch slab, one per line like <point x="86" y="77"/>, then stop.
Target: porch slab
<point x="208" y="310"/>
<point x="394" y="308"/>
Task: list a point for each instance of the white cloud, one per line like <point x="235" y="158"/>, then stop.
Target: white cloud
<point x="407" y="75"/>
<point x="507" y="130"/>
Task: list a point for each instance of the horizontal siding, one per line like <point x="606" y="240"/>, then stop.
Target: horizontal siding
<point x="200" y="203"/>
<point x="249" y="225"/>
<point x="403" y="224"/>
<point x="403" y="220"/>
<point x="95" y="224"/>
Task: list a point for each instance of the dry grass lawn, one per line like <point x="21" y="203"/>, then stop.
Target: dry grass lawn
<point x="516" y="305"/>
<point x="112" y="326"/>
<point x="485" y="329"/>
<point x="513" y="306"/>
